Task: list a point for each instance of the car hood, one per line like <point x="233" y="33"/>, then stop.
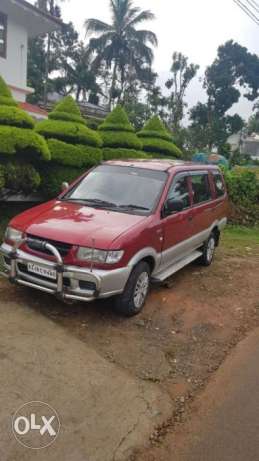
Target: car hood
<point x="75" y="224"/>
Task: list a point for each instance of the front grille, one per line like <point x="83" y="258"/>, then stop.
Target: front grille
<point x="24" y="270"/>
<point x="62" y="247"/>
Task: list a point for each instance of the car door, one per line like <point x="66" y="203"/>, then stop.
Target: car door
<point x="176" y="227"/>
<point x="202" y="207"/>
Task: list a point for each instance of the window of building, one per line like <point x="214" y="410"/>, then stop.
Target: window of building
<point x="201" y="188"/>
<point x="180" y="190"/>
<point x="219" y="185"/>
<point x="3" y="35"/>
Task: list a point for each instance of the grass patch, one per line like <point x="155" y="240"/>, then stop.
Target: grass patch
<point x="241" y="238"/>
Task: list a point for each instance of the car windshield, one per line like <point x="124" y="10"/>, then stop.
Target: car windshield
<point x="124" y="189"/>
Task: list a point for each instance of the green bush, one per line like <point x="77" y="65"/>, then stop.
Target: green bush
<point x="74" y="155"/>
<point x="121" y="139"/>
<point x="2" y="177"/>
<point x="66" y="117"/>
<point x="120" y="153"/>
<point x="156" y="139"/>
<point x="13" y="116"/>
<point x="242" y="187"/>
<point x="155" y="145"/>
<point x="23" y="141"/>
<point x="67" y="106"/>
<point x="53" y="176"/>
<point x="6" y="97"/>
<point x="21" y="177"/>
<point x="117" y="120"/>
<point x="69" y="132"/>
<point x="155" y="129"/>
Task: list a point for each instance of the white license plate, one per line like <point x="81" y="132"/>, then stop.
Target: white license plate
<point x="43" y="271"/>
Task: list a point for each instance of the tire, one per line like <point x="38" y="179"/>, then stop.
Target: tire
<point x="131" y="302"/>
<point x="208" y="250"/>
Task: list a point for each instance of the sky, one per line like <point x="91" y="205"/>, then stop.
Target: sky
<point x="194" y="27"/>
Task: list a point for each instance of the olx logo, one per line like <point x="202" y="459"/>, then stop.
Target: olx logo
<point x="36" y="425"/>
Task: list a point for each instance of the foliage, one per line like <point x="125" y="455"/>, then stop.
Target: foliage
<point x="74" y="155"/>
<point x="116" y="131"/>
<point x="23" y="142"/>
<point x="242" y="187"/>
<point x="120" y="45"/>
<point x="21" y="177"/>
<point x="120" y="153"/>
<point x="54" y="175"/>
<point x="117" y="120"/>
<point x="156" y="139"/>
<point x="182" y="75"/>
<point x="13" y="116"/>
<point x="2" y="177"/>
<point x="253" y="123"/>
<point x="5" y="94"/>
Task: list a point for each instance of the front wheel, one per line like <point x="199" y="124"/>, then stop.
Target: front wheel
<point x="209" y="250"/>
<point x="132" y="300"/>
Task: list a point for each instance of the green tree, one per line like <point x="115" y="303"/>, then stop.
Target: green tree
<point x="119" y="137"/>
<point x="74" y="147"/>
<point x="157" y="140"/>
<point x="21" y="148"/>
<point x="122" y="47"/>
<point x="182" y="74"/>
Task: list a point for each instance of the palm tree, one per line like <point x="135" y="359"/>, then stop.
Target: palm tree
<point x="120" y="45"/>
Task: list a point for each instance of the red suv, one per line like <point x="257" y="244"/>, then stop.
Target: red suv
<point x="119" y="226"/>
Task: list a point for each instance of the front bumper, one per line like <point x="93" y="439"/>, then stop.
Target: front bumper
<point x="72" y="283"/>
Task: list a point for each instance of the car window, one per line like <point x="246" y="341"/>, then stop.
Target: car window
<point x="201" y="188"/>
<point x="219" y="184"/>
<point x="179" y="190"/>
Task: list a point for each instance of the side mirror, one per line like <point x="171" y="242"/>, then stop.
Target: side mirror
<point x="173" y="206"/>
<point x="64" y="186"/>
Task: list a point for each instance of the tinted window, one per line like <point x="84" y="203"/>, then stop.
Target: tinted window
<point x="219" y="184"/>
<point x="179" y="190"/>
<point x="120" y="188"/>
<point x="201" y="188"/>
<point x="3" y="35"/>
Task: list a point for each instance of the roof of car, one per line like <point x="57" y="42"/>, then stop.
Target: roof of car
<point x="160" y="164"/>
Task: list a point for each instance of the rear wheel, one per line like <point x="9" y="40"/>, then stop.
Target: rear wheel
<point x="209" y="250"/>
<point x="132" y="300"/>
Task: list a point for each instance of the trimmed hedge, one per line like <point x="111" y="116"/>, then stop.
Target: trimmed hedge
<point x="2" y="177"/>
<point x="155" y="129"/>
<point x="156" y="139"/>
<point x="69" y="132"/>
<point x="117" y="120"/>
<point x="21" y="177"/>
<point x="121" y="139"/>
<point x="6" y="97"/>
<point x="13" y="116"/>
<point x="154" y="145"/>
<point x="15" y="140"/>
<point x="120" y="153"/>
<point x="74" y="155"/>
<point x="66" y="117"/>
<point x="54" y="175"/>
<point x="68" y="106"/>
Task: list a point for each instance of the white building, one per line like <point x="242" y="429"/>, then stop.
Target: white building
<point x="19" y="20"/>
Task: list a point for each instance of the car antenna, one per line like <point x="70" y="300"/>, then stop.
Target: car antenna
<point x="92" y="255"/>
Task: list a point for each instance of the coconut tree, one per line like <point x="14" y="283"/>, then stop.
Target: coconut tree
<point x="124" y="48"/>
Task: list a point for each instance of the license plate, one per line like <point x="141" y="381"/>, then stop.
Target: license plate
<point x="43" y="271"/>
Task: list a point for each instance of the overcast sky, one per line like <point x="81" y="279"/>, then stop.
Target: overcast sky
<point x="194" y="27"/>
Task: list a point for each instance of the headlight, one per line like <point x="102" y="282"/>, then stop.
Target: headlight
<point x="99" y="256"/>
<point x="13" y="235"/>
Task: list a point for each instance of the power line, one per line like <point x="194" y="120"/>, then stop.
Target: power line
<point x="247" y="11"/>
<point x="254" y="5"/>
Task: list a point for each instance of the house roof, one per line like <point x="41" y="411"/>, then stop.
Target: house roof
<point x="36" y="21"/>
<point x="33" y="109"/>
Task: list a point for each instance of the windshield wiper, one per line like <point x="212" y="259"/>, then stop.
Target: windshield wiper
<point x="131" y="206"/>
<point x="92" y="201"/>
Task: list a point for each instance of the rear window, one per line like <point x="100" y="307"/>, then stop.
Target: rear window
<point x="219" y="185"/>
<point x="201" y="188"/>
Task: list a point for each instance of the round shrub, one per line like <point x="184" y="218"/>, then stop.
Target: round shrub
<point x="21" y="177"/>
<point x="117" y="120"/>
<point x="157" y="140"/>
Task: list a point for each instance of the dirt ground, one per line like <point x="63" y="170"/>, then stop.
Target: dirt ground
<point x="184" y="333"/>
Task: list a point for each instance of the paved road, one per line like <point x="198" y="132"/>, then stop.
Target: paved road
<point x="225" y="424"/>
<point x="104" y="412"/>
